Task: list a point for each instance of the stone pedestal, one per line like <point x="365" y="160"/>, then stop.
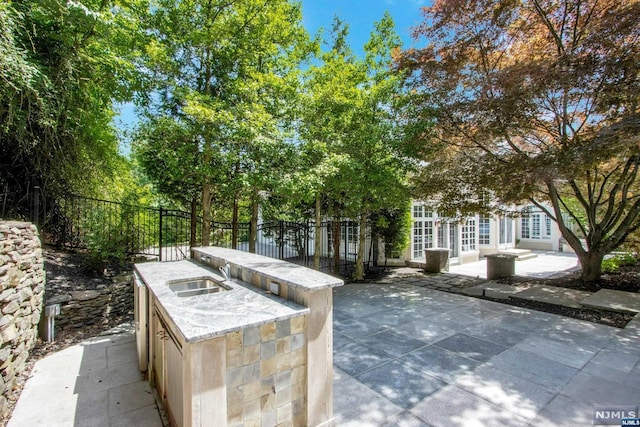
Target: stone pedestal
<point x="500" y="265"/>
<point x="437" y="260"/>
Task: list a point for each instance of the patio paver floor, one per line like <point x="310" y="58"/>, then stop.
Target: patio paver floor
<point x="455" y="360"/>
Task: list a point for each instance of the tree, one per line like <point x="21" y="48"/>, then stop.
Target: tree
<point x="358" y="165"/>
<point x="224" y="72"/>
<point x="533" y="102"/>
<point x="64" y="64"/>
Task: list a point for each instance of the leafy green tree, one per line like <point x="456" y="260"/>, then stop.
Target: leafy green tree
<point x="350" y="122"/>
<point x="225" y="75"/>
<point x="534" y="102"/>
<point x="63" y="65"/>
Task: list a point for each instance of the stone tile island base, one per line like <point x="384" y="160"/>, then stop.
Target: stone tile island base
<point x="260" y="354"/>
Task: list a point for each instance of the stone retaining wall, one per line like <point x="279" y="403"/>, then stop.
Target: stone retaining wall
<point x="82" y="308"/>
<point x="22" y="280"/>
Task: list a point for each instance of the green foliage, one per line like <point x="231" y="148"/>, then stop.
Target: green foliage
<point x="114" y="230"/>
<point x="613" y="264"/>
<point x="394" y="227"/>
<point x="533" y="102"/>
<point x="226" y="77"/>
<point x="63" y="66"/>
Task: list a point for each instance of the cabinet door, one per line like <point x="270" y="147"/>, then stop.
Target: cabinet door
<point x="174" y="381"/>
<point x="158" y="356"/>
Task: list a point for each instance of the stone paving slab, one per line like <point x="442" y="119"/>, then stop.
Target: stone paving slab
<point x="609" y="299"/>
<point x="492" y="290"/>
<point x="553" y="295"/>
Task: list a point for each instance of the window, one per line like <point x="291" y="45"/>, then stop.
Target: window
<point x="535" y="225"/>
<point x="418" y="239"/>
<point x="422" y="231"/>
<point x="547" y="225"/>
<point x="469" y="236"/>
<point x="484" y="230"/>
<point x="524" y="225"/>
<point x="506" y="230"/>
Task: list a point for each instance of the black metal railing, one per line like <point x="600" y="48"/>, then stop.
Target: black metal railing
<point x="85" y="223"/>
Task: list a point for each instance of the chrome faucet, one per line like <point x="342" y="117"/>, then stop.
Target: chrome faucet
<point x="226" y="271"/>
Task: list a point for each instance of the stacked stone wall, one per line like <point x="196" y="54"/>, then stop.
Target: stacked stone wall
<point x="22" y="281"/>
<point x="100" y="306"/>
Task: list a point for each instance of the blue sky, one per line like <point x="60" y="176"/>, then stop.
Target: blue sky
<point x="359" y="14"/>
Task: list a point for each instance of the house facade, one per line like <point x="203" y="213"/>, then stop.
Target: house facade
<point x="473" y="237"/>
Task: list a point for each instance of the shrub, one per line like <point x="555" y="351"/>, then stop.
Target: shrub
<point x="613" y="264"/>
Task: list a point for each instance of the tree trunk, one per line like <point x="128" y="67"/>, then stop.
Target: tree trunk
<point x="234" y="224"/>
<point x="317" y="242"/>
<point x="337" y="227"/>
<point x="194" y="222"/>
<point x="359" y="272"/>
<point x="591" y="264"/>
<point x="206" y="214"/>
<point x="253" y="230"/>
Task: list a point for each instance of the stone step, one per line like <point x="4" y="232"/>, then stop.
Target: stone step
<point x="522" y="254"/>
<point x="553" y="295"/>
<point x="609" y="299"/>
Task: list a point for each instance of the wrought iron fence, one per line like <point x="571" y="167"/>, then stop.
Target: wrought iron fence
<point x="85" y="223"/>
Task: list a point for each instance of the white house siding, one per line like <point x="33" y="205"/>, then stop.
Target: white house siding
<point x="496" y="233"/>
<point x="537" y="231"/>
<point x="429" y="230"/>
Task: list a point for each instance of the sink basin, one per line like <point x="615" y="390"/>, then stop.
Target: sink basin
<point x="197" y="286"/>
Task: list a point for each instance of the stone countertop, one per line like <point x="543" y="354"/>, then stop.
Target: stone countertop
<point x="293" y="275"/>
<point x="206" y="316"/>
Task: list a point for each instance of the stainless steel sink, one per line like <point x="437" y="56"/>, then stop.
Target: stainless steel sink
<point x="197" y="286"/>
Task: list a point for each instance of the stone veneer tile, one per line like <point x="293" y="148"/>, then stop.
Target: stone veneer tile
<point x="283" y="397"/>
<point x="251" y="354"/>
<point x="234" y="377"/>
<point x="298" y="324"/>
<point x="283" y="380"/>
<point x="233" y="341"/>
<point x="251" y="409"/>
<point x="266" y="374"/>
<point x="268" y="367"/>
<point x="245" y="275"/>
<point x="235" y="394"/>
<point x="284" y="345"/>
<point x="234" y="414"/>
<point x="284" y="291"/>
<point x="269" y="418"/>
<point x="268" y="332"/>
<point x="267" y="350"/>
<point x="298" y="391"/>
<point x="300" y="420"/>
<point x="283" y="328"/>
<point x="298" y="407"/>
<point x="268" y="402"/>
<point x="284" y="413"/>
<point x="297" y="341"/>
<point x="255" y="280"/>
<point x="234" y="358"/>
<point x="251" y="373"/>
<point x="298" y="374"/>
<point x="250" y="336"/>
<point x="268" y="385"/>
<point x="251" y="390"/>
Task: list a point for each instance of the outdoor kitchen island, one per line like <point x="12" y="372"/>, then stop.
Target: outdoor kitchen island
<point x="254" y="349"/>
